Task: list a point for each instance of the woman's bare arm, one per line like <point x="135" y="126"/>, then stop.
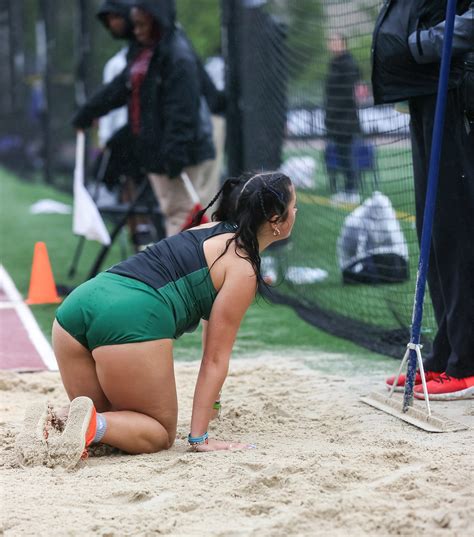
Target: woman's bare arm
<point x="232" y="301"/>
<point x="204" y="323"/>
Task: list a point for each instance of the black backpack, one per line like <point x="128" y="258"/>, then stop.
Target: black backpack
<point x="371" y="247"/>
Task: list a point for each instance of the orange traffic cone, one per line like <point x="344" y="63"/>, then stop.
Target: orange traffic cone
<point x="42" y="287"/>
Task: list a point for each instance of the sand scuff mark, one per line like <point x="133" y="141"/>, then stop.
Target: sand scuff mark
<point x="324" y="465"/>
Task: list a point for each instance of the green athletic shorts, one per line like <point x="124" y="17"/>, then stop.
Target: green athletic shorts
<point x="111" y="309"/>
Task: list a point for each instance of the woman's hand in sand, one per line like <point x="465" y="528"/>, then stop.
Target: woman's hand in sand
<point x="221" y="445"/>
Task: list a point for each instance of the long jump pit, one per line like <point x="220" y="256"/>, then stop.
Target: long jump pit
<point x="324" y="464"/>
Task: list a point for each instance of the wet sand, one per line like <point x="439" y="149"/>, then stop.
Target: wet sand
<point x="325" y="464"/>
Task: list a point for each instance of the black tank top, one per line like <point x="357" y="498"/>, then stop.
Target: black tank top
<point x="176" y="267"/>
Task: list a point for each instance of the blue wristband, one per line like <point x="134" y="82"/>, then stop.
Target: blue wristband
<point x="198" y="440"/>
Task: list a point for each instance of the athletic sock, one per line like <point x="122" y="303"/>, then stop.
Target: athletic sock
<point x="101" y="428"/>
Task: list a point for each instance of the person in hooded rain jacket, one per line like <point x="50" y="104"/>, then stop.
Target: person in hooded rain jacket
<point x="406" y="51"/>
<point x="115" y="16"/>
<point x="169" y="122"/>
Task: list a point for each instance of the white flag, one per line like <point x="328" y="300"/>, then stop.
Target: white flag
<point x="86" y="217"/>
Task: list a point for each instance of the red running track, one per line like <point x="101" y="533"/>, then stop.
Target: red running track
<point x="23" y="347"/>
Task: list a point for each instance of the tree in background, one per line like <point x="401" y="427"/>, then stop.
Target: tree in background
<point x="202" y="23"/>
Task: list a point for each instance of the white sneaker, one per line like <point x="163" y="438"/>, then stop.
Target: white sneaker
<point x="352" y="197"/>
<point x="338" y="198"/>
<point x="305" y="275"/>
<point x="346" y="197"/>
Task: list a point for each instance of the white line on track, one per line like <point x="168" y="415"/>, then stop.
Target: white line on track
<point x="29" y="322"/>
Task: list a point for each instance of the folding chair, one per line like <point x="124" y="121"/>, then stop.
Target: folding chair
<point x="144" y="203"/>
<point x="333" y="166"/>
<point x="122" y="212"/>
<point x="365" y="160"/>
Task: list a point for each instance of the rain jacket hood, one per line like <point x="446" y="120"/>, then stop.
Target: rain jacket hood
<point x="117" y="7"/>
<point x="175" y="124"/>
<point x="163" y="11"/>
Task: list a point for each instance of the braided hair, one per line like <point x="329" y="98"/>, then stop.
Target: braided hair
<point x="249" y="201"/>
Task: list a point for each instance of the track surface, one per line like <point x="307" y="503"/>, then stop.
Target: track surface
<point x="23" y="346"/>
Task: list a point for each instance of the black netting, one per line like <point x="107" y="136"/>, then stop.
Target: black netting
<point x="299" y="80"/>
<point x="351" y="263"/>
<point x="52" y="56"/>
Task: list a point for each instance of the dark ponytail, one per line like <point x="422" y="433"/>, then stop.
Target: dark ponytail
<point x="225" y="211"/>
<point x="249" y="201"/>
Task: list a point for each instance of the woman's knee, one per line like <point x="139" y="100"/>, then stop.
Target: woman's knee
<point x="171" y="437"/>
<point x="168" y="423"/>
<point x="161" y="440"/>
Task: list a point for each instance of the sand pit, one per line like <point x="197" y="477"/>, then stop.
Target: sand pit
<point x="325" y="464"/>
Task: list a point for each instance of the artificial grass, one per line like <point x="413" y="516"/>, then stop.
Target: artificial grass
<point x="314" y="243"/>
<point x="265" y="327"/>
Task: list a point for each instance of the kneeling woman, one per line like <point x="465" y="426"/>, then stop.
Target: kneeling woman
<point x="113" y="336"/>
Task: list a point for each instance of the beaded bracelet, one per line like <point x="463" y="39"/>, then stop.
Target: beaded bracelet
<point x="198" y="440"/>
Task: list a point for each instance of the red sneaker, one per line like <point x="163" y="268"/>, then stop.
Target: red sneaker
<point x="445" y="388"/>
<point x="429" y="375"/>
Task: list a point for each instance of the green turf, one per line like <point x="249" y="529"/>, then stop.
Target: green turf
<point x="20" y="230"/>
<point x="265" y="327"/>
<point x="315" y="237"/>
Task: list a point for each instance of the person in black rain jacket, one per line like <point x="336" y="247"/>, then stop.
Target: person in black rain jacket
<point x="400" y="72"/>
<point x="169" y="121"/>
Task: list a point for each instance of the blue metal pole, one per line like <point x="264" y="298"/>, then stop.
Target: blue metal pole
<point x="430" y="201"/>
